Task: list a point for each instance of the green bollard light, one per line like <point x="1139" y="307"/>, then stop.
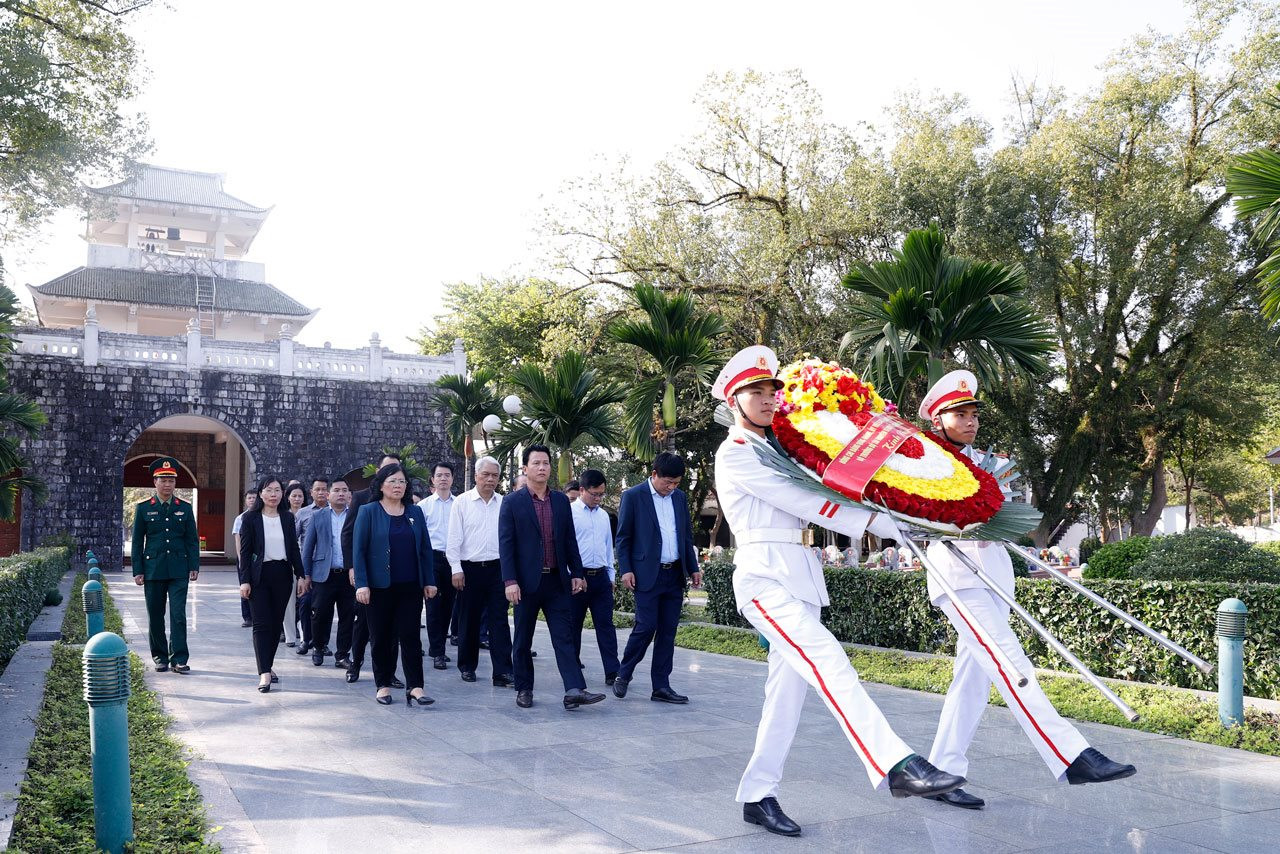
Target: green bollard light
<point x="1232" y="617"/>
<point x="94" y="620"/>
<point x="106" y="690"/>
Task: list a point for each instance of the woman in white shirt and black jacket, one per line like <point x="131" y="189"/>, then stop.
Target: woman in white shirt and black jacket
<point x="270" y="565"/>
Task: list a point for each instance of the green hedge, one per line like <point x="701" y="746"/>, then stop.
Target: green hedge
<point x="1207" y="554"/>
<point x="24" y="580"/>
<point x="1113" y="560"/>
<point x="891" y="610"/>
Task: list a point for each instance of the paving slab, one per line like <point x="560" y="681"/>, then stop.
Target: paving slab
<point x="317" y="766"/>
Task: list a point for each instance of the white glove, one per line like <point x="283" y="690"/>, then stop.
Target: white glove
<point x="883" y="527"/>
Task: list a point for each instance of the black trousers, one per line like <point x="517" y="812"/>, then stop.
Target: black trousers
<point x="394" y="614"/>
<point x="440" y="609"/>
<point x="552" y="599"/>
<point x="483" y="597"/>
<point x="599" y="599"/>
<point x="268" y="600"/>
<point x="334" y="592"/>
<point x="303" y="613"/>
<point x="359" y="635"/>
<point x="657" y="618"/>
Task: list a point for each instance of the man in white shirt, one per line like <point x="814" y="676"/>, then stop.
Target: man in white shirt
<point x="437" y="507"/>
<point x="477" y="575"/>
<point x="595" y="545"/>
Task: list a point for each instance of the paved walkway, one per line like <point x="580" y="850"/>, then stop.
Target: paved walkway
<point x="317" y="766"/>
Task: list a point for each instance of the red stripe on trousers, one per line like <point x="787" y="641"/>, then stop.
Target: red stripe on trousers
<point x="1000" y="670"/>
<point x="822" y="684"/>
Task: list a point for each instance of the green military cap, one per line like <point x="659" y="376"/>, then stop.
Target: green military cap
<point x="164" y="467"/>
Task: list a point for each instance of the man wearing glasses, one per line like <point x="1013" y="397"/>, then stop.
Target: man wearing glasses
<point x="595" y="545"/>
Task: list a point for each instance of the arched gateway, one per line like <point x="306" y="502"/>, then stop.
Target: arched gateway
<point x="169" y="342"/>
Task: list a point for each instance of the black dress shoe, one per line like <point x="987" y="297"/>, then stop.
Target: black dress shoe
<point x="453" y="640"/>
<point x="275" y="680"/>
<point x="960" y="798"/>
<point x="504" y="680"/>
<point x="1092" y="767"/>
<point x="383" y="700"/>
<point x="353" y="674"/>
<point x="534" y="653"/>
<point x="440" y="663"/>
<point x="919" y="777"/>
<point x="580" y="697"/>
<point x="485" y="645"/>
<point x="421" y="699"/>
<point x="396" y="683"/>
<point x="609" y="678"/>
<point x="343" y="661"/>
<point x="317" y="658"/>
<point x="244" y="624"/>
<point x="770" y="816"/>
<point x="524" y="699"/>
<point x="303" y="648"/>
<point x="620" y="687"/>
<point x="161" y="667"/>
<point x="666" y="695"/>
<point x="181" y="668"/>
<point x="468" y="676"/>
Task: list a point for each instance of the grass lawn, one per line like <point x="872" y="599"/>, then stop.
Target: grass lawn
<point x="55" y="805"/>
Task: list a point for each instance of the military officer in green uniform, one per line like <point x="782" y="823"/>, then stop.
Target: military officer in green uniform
<point x="166" y="555"/>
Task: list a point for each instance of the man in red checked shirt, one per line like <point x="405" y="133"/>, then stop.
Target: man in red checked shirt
<point x="779" y="588"/>
<point x="951" y="408"/>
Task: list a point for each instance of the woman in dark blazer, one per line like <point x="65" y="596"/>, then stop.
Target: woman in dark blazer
<point x="269" y="564"/>
<point x="394" y="569"/>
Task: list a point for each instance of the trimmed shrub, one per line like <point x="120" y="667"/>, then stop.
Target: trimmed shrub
<point x="891" y="609"/>
<point x="1114" y="560"/>
<point x="1207" y="554"/>
<point x="1088" y="546"/>
<point x="24" y="581"/>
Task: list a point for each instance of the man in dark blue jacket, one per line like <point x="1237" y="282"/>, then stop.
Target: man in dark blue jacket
<point x="541" y="568"/>
<point x="655" y="555"/>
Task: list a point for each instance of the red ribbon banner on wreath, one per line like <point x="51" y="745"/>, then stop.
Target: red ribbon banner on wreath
<point x="855" y="465"/>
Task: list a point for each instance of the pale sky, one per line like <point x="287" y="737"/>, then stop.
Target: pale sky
<point x="407" y="145"/>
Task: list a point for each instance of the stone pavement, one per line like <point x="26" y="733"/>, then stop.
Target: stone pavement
<point x="317" y="766"/>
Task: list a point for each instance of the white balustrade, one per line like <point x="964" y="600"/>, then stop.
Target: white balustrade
<point x="238" y="356"/>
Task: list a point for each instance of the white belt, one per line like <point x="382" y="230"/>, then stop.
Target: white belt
<point x="772" y="535"/>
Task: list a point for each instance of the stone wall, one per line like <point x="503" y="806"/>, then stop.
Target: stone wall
<point x="287" y="425"/>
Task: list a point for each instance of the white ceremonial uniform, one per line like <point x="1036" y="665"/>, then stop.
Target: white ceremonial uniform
<point x="780" y="589"/>
<point x="975" y="669"/>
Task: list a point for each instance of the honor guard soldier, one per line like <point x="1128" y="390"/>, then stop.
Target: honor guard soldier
<point x="951" y="409"/>
<point x="779" y="588"/>
<point x="165" y="556"/>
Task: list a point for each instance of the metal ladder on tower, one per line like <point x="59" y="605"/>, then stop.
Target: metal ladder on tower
<point x="206" y="296"/>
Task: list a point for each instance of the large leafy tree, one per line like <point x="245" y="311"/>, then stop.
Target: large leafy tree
<point x="565" y="405"/>
<point x="68" y="69"/>
<point x="681" y="339"/>
<point x="466" y="400"/>
<point x="927" y="309"/>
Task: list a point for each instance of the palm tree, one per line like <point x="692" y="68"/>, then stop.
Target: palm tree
<point x="20" y="418"/>
<point x="928" y="307"/>
<point x="1254" y="179"/>
<point x="466" y="401"/>
<point x="683" y="343"/>
<point x="562" y="406"/>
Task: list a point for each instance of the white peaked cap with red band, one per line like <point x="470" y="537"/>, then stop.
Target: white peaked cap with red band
<point x="955" y="389"/>
<point x="749" y="365"/>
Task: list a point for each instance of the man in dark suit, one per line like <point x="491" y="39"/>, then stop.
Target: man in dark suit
<point x="541" y="569"/>
<point x="655" y="555"/>
<point x="360" y="630"/>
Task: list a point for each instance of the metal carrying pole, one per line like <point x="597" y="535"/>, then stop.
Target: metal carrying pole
<point x="94" y="619"/>
<point x="106" y="690"/>
<point x="1002" y="660"/>
<point x="1233" y="617"/>
<point x="1053" y="642"/>
<point x="1204" y="666"/>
